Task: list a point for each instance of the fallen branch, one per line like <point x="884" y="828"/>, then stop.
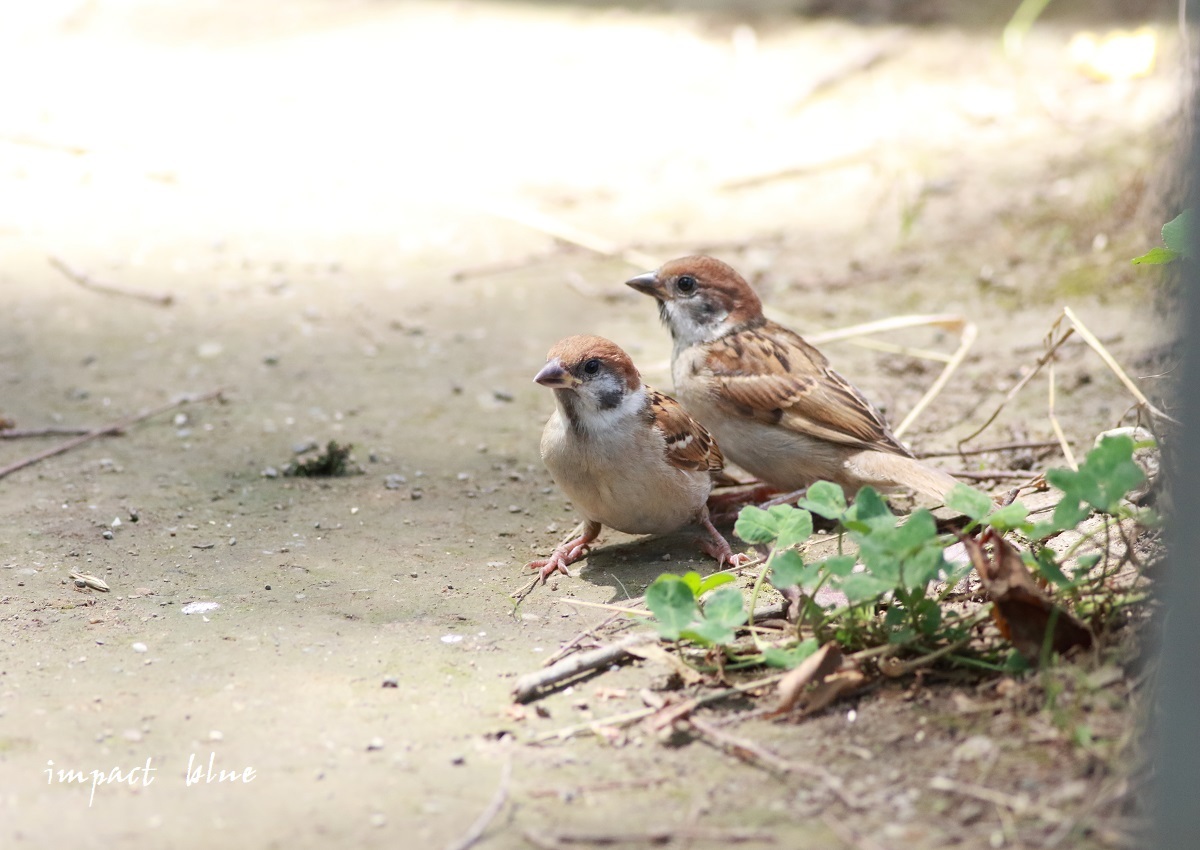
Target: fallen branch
<point x="114" y="428"/>
<point x="88" y="282"/>
<point x="530" y="685"/>
<point x="487" y="815"/>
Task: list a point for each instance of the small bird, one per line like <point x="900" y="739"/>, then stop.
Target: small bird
<point x="774" y="405"/>
<point x="626" y="455"/>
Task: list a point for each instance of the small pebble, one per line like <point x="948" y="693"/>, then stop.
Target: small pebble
<point x="391" y="682"/>
<point x="394" y="481"/>
<point x="140" y="647"/>
<point x="458" y="760"/>
<point x="514" y="509"/>
<point x="214" y="735"/>
<point x="378" y="820"/>
<point x="108" y="535"/>
<point x="299" y="597"/>
<point x="266" y="587"/>
<point x="375" y="744"/>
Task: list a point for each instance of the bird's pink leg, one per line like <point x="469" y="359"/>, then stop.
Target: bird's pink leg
<point x="567" y="552"/>
<point x="718" y="547"/>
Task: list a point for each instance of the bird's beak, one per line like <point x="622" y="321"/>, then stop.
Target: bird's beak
<point x="649" y="284"/>
<point x="555" y="376"/>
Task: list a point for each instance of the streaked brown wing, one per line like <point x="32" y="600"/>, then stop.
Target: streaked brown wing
<point x="689" y="445"/>
<point x="771" y="374"/>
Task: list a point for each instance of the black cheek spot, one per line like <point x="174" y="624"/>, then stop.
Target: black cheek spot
<point x="608" y="399"/>
<point x="777" y="415"/>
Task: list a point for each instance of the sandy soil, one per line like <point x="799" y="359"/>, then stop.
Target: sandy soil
<point x="333" y="193"/>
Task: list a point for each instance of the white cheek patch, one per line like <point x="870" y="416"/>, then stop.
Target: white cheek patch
<point x="600" y="422"/>
<point x="687" y="330"/>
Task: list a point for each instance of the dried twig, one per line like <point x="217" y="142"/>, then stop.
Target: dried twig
<point x="636" y="715"/>
<point x="992" y="474"/>
<point x="665" y="836"/>
<point x="1020" y="385"/>
<point x="753" y="753"/>
<point x="114" y="428"/>
<point x="967" y="333"/>
<point x="530" y="685"/>
<point x="1055" y="425"/>
<point x="1019" y="804"/>
<point x="165" y="299"/>
<point x="21" y="433"/>
<point x="999" y="447"/>
<point x="489" y="814"/>
<point x="561" y="230"/>
<point x="1109" y="361"/>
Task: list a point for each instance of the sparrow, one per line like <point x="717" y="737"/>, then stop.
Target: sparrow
<point x="627" y="456"/>
<point x="771" y="400"/>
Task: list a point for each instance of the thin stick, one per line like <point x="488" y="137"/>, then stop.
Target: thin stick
<point x="21" y="433"/>
<point x="1056" y="425"/>
<point x="1019" y="804"/>
<point x="999" y="447"/>
<point x="528" y="687"/>
<point x="489" y="814"/>
<point x="753" y="753"/>
<point x="655" y="837"/>
<point x="560" y="230"/>
<point x="114" y="428"/>
<point x="1111" y="363"/>
<point x="966" y="340"/>
<point x="991" y="475"/>
<point x="638" y="714"/>
<point x="88" y="282"/>
<point x="604" y="606"/>
<point x="967" y="334"/>
<point x="1019" y="385"/>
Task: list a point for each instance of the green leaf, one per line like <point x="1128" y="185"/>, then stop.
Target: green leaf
<point x="929" y="616"/>
<point x="825" y="499"/>
<point x="1086" y="562"/>
<point x="869" y="511"/>
<point x="791" y="657"/>
<point x="708" y="633"/>
<point x="787" y="569"/>
<point x="864" y="587"/>
<point x="1156" y="257"/>
<point x="1107" y="474"/>
<point x="726" y="607"/>
<point x="838" y="565"/>
<point x="1176" y="234"/>
<point x="969" y="501"/>
<point x="673" y="604"/>
<point x="754" y="525"/>
<point x="692" y="580"/>
<point x="795" y="526"/>
<point x="1042" y="530"/>
<point x="1047" y="566"/>
<point x="713" y="581"/>
<point x="1008" y="517"/>
<point x="916" y="531"/>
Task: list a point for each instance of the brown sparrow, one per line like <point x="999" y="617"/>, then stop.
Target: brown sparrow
<point x="627" y="456"/>
<point x="769" y="397"/>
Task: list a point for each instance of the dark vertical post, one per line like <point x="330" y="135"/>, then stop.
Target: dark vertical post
<point x="1177" y="724"/>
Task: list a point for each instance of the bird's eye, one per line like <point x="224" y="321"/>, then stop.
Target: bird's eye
<point x="686" y="284"/>
<point x="592" y="366"/>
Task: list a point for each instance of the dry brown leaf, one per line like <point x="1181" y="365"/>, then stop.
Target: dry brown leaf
<point x="832" y="689"/>
<point x="1022" y="611"/>
<point x="816" y="667"/>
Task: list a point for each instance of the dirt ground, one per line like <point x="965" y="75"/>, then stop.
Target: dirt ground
<point x="341" y="200"/>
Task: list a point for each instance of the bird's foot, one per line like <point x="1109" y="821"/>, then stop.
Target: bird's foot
<point x="566" y="553"/>
<point x="716" y="546"/>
